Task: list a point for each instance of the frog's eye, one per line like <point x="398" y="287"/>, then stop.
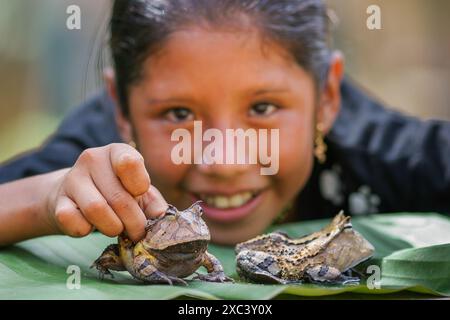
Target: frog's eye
<point x="171" y="210"/>
<point x="196" y="207"/>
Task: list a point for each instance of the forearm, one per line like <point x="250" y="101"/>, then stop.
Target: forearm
<point x="24" y="211"/>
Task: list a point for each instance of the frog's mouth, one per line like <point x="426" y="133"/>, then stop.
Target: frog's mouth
<point x="184" y="251"/>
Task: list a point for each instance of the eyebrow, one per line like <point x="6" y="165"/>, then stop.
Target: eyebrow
<point x="174" y="100"/>
<point x="181" y="99"/>
<point x="259" y="92"/>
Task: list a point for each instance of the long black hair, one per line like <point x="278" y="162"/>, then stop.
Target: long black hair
<point x="140" y="27"/>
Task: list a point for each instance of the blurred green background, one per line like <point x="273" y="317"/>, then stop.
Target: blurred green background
<point x="47" y="69"/>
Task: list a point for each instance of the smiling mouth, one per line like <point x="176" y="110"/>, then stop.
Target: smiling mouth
<point x="228" y="201"/>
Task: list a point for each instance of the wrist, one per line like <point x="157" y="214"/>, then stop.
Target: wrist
<point x="25" y="207"/>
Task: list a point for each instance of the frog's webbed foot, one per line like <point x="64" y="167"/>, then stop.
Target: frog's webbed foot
<point x="258" y="266"/>
<point x="158" y="277"/>
<point x="102" y="272"/>
<point x="177" y="281"/>
<point x="108" y="260"/>
<point x="147" y="272"/>
<point x="218" y="276"/>
<point x="327" y="274"/>
<point x="348" y="278"/>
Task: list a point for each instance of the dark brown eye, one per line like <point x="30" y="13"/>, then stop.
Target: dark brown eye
<point x="263" y="109"/>
<point x="179" y="114"/>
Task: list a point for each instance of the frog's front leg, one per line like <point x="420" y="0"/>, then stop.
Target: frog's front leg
<point x="214" y="268"/>
<point x="109" y="260"/>
<point x="258" y="266"/>
<point x="324" y="273"/>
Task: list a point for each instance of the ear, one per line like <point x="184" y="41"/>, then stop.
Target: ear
<point x="122" y="122"/>
<point x="330" y="99"/>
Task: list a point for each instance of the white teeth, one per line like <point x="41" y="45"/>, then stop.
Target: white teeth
<point x="223" y="202"/>
<point x="239" y="199"/>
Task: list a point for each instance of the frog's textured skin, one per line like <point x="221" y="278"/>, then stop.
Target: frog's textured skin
<point x="322" y="256"/>
<point x="174" y="247"/>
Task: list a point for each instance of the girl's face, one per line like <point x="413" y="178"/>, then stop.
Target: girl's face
<point x="227" y="81"/>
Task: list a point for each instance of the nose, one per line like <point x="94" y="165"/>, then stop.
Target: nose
<point x="227" y="152"/>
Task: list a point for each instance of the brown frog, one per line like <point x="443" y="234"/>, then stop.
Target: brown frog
<point x="322" y="256"/>
<point x="174" y="247"/>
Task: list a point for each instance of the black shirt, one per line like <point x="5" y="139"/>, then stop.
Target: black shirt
<point x="378" y="160"/>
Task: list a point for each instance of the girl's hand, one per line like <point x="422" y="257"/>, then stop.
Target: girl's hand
<point x="109" y="189"/>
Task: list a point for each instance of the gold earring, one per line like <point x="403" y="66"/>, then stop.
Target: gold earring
<point x="132" y="143"/>
<point x="320" y="148"/>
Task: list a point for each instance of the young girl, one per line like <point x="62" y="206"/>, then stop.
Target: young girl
<point x="230" y="64"/>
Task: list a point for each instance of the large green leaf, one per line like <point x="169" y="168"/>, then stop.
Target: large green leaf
<point x="413" y="251"/>
<point x="428" y="267"/>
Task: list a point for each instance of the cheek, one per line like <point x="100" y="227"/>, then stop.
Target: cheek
<point x="156" y="146"/>
<point x="296" y="155"/>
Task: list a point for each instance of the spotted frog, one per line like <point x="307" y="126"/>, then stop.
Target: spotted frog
<point x="174" y="247"/>
<point x="321" y="257"/>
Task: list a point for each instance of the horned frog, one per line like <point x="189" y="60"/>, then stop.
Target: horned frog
<point x="174" y="247"/>
<point x="322" y="256"/>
